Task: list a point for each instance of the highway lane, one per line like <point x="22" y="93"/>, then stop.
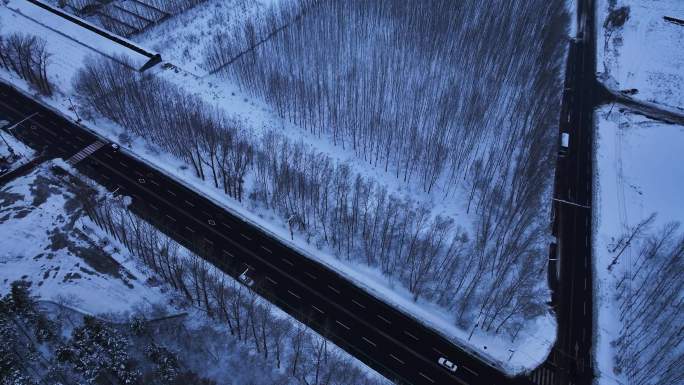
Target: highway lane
<point x="396" y="345"/>
<point x="572" y="352"/>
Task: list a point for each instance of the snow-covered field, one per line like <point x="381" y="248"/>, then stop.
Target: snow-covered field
<point x="24" y="17"/>
<point x="49" y="241"/>
<point x="179" y="40"/>
<point x="638" y="173"/>
<point x="646" y="53"/>
<point x="46" y="239"/>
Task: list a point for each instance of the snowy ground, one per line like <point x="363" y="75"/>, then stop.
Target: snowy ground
<point x="48" y="241"/>
<point x="532" y="344"/>
<point x="530" y="348"/>
<point x="646" y="53"/>
<point x="181" y="39"/>
<point x="22" y="16"/>
<point x="638" y="172"/>
<point x="638" y="160"/>
<point x="44" y="241"/>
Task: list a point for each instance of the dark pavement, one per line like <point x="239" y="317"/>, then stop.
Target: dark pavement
<point x="571" y="355"/>
<point x="394" y="344"/>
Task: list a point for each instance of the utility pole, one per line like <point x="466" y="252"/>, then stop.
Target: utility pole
<point x="73" y="108"/>
<point x="289" y="225"/>
<point x="8" y="145"/>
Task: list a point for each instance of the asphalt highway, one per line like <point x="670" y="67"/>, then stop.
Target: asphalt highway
<point x="572" y="353"/>
<point x="389" y="341"/>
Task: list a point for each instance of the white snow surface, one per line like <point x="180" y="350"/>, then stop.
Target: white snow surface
<point x="44" y="241"/>
<point x="36" y="206"/>
<point x="638" y="172"/>
<point x="533" y="343"/>
<point x="66" y="41"/>
<point x="646" y="53"/>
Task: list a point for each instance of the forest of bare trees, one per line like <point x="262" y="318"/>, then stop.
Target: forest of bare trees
<point x="27" y="56"/>
<point x="305" y="356"/>
<point x="477" y="124"/>
<point x="451" y="96"/>
<point x="334" y="206"/>
<point x="650" y="294"/>
<point x="496" y="283"/>
<point x="432" y="90"/>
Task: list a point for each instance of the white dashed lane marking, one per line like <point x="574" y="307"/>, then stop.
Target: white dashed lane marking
<point x="474" y="373"/>
<point x="411" y="335"/>
<point x="428" y="378"/>
<point x="398" y="360"/>
<point x="286" y="261"/>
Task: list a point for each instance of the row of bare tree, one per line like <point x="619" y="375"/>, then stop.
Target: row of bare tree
<point x="495" y="277"/>
<point x="215" y="146"/>
<point x="27" y="56"/>
<point x="447" y="96"/>
<point x="306" y="356"/>
<point x="650" y="292"/>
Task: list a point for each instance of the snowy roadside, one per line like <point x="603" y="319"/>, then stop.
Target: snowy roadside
<point x="13" y="152"/>
<point x="533" y="342"/>
<point x="50" y="242"/>
<point x="638" y="173"/>
<point x="645" y="53"/>
<point x="45" y="241"/>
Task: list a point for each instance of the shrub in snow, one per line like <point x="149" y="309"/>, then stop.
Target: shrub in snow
<point x="617" y="18"/>
<point x="99" y="353"/>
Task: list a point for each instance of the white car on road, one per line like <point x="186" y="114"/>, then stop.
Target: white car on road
<point x="447" y="364"/>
